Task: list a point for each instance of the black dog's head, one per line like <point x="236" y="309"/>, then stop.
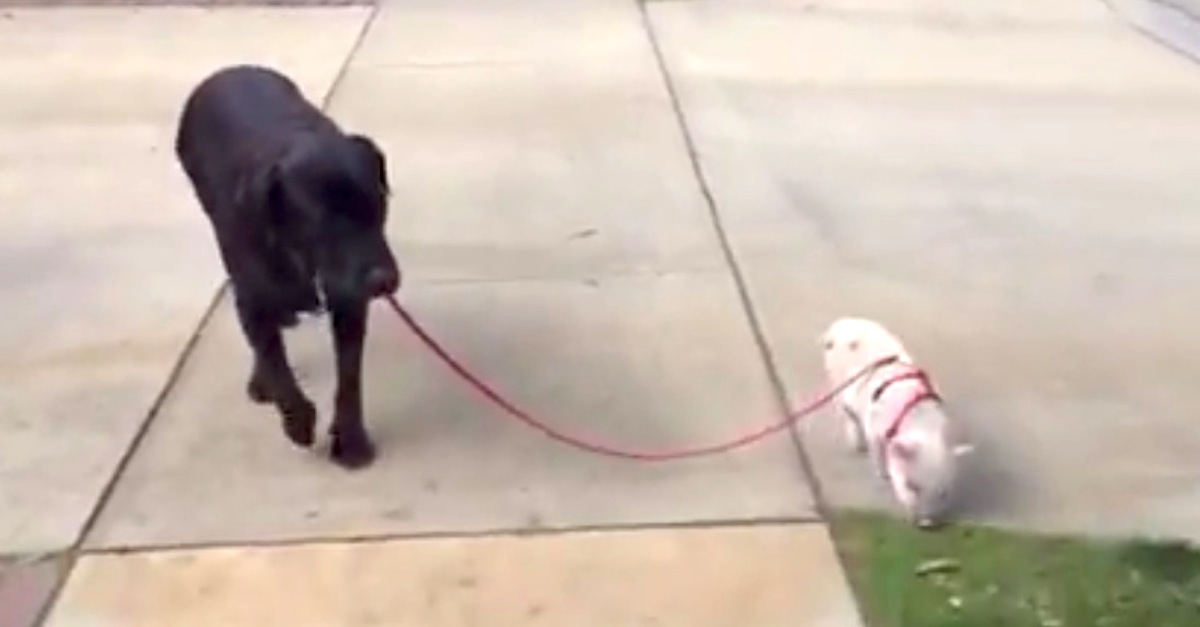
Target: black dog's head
<point x="326" y="201"/>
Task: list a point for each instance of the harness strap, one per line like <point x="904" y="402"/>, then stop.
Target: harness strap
<point x="925" y="392"/>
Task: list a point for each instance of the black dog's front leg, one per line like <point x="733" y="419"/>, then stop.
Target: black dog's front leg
<point x="351" y="446"/>
<point x="272" y="379"/>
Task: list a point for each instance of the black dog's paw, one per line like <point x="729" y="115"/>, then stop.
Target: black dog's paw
<point x="351" y="450"/>
<point x="258" y="390"/>
<point x="300" y="423"/>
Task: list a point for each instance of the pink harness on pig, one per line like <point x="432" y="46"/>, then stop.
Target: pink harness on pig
<point x="924" y="392"/>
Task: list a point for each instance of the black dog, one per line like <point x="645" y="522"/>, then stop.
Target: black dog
<point x="298" y="208"/>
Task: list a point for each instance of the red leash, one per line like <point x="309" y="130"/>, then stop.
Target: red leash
<point x="603" y="449"/>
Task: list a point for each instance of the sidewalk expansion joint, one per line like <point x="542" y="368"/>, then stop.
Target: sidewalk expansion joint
<point x="739" y="277"/>
<point x="769" y="364"/>
<point x="499" y="532"/>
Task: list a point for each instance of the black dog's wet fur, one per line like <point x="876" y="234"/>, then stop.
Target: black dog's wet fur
<point x="298" y="209"/>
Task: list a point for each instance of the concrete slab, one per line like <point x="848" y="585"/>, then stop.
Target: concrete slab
<point x="108" y="264"/>
<point x="1035" y="246"/>
<point x="524" y="151"/>
<point x="750" y="41"/>
<point x="1191" y="7"/>
<point x="953" y="14"/>
<point x="499" y="32"/>
<point x="1175" y="25"/>
<point x="26" y="586"/>
<point x="644" y="362"/>
<point x="1081" y="422"/>
<point x="759" y="575"/>
<point x="222" y="4"/>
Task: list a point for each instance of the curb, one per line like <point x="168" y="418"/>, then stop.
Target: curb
<point x="1169" y="24"/>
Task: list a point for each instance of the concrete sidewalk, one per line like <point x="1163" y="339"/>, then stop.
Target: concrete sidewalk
<point x="607" y="213"/>
<point x="1012" y="189"/>
<point x="566" y="210"/>
<point x="104" y="270"/>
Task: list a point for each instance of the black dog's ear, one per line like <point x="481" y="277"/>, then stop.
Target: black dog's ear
<point x="374" y="157"/>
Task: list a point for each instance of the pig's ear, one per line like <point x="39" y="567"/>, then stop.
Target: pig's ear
<point x="904" y="451"/>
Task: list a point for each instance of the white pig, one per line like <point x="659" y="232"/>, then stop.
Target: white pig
<point x="893" y="412"/>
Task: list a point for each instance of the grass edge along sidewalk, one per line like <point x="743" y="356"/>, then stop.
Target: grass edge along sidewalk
<point x="971" y="576"/>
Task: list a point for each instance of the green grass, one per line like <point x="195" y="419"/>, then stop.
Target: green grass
<point x="993" y="578"/>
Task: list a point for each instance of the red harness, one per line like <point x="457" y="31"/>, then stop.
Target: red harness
<point x="924" y="392"/>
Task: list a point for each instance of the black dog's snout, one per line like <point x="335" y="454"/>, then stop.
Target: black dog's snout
<point x="382" y="282"/>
